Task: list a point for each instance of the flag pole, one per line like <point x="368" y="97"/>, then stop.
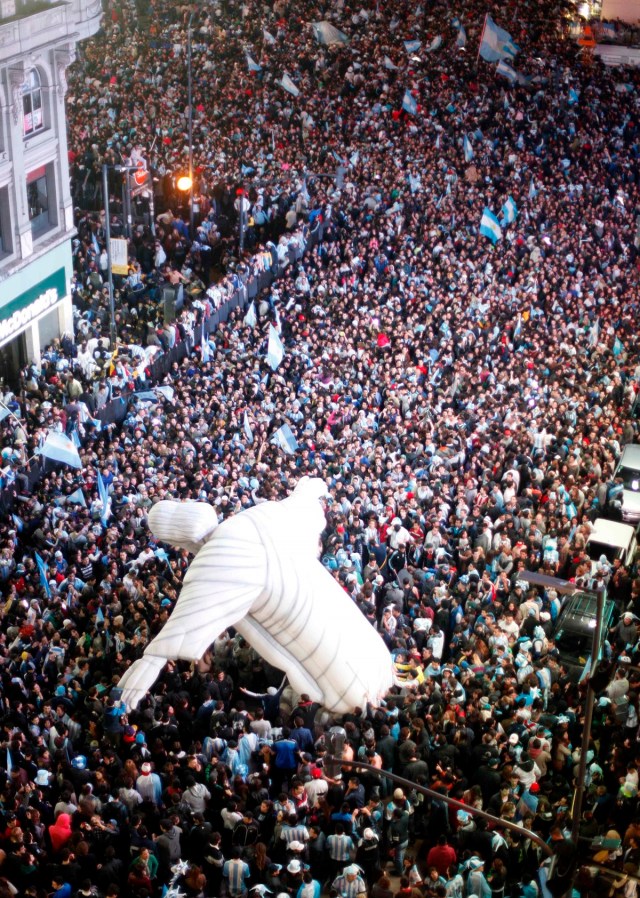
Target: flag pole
<point x="484" y="28"/>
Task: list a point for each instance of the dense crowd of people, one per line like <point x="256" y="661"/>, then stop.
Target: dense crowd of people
<point x="465" y="403"/>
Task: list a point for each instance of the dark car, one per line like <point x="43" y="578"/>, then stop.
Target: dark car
<point x="573" y="632"/>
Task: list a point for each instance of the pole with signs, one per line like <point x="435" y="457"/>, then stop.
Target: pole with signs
<point x="190" y="101"/>
<point x="107" y="231"/>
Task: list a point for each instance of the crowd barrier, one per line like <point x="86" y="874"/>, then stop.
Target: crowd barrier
<point x="115" y="411"/>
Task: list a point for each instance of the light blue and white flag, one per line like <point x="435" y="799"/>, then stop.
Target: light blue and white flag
<point x="574" y="96"/>
<point x="288" y="85"/>
<point x="435" y="44"/>
<point x="533" y="193"/>
<point x="247" y="428"/>
<point x="275" y="349"/>
<point x="4" y="411"/>
<point x="618" y="347"/>
<point x="278" y="322"/>
<point x="166" y="391"/>
<point x="253" y="65"/>
<point x="285" y="440"/>
<point x="511" y="49"/>
<point x="509" y="212"/>
<point x="269" y="38"/>
<point x="77" y="498"/>
<point x="493" y="41"/>
<point x="388" y="64"/>
<point x="594" y="333"/>
<point x="503" y="68"/>
<point x="99" y="616"/>
<point x="517" y="330"/>
<point x="58" y="447"/>
<point x="409" y="103"/>
<point x="205" y="355"/>
<point x="43" y="573"/>
<point x="327" y="34"/>
<point x="438" y="141"/>
<point x="468" y="149"/>
<point x="105" y="499"/>
<point x="461" y="40"/>
<point x="18" y="522"/>
<point x="251" y="319"/>
<point x="412" y="46"/>
<point x="490" y="226"/>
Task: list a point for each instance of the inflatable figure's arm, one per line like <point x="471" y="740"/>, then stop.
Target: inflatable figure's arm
<point x="225" y="579"/>
<point x="187" y="525"/>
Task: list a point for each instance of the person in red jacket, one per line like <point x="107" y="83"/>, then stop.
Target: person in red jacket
<point x="441" y="856"/>
<point x="60" y="832"/>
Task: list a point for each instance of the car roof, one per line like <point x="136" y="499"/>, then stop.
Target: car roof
<point x="611" y="533"/>
<point x="580" y="610"/>
<point x="631" y="455"/>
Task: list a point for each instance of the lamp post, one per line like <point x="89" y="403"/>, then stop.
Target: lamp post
<point x="107" y="230"/>
<point x="190" y="123"/>
<point x="126" y="169"/>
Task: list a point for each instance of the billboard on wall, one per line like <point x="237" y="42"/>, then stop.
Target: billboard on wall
<point x="625" y="10"/>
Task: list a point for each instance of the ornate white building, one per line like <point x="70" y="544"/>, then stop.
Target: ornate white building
<point x="37" y="44"/>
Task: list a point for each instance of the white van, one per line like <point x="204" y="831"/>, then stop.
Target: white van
<point x="629" y="469"/>
<point x="613" y="540"/>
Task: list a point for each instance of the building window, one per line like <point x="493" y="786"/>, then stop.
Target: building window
<point x="41" y="199"/>
<point x="32" y="112"/>
<point x="6" y="242"/>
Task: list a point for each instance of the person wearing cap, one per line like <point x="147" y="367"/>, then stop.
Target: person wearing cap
<point x="294" y="871"/>
<point x="368" y="855"/>
<point x="349" y="884"/>
<point x="476" y="880"/>
<point x="149" y="785"/>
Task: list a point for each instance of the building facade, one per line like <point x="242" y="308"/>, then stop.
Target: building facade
<point x="37" y="45"/>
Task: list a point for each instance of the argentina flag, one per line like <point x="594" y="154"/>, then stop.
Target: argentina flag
<point x="490" y="226"/>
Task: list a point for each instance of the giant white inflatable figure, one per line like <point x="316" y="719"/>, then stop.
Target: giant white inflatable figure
<point x="259" y="572"/>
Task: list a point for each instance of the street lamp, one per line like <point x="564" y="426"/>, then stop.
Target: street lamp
<point x="189" y="187"/>
<point x="107" y="230"/>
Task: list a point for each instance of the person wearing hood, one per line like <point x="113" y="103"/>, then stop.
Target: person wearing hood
<point x="168" y="845"/>
<point x="60" y="832"/>
<point x="526" y="770"/>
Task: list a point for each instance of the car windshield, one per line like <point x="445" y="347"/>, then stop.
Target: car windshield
<point x="630" y="478"/>
<point x="573" y="645"/>
<point x="596" y="550"/>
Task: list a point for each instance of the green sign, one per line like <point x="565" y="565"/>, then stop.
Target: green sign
<point x="19" y="312"/>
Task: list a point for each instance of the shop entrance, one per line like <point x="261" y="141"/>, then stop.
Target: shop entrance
<point x="13" y="357"/>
